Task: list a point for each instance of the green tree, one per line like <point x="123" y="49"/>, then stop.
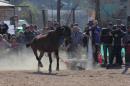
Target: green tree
<point x="33" y="10"/>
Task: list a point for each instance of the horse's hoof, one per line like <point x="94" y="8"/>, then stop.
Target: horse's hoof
<point x="50" y="72"/>
<point x="125" y="70"/>
<point x="57" y="70"/>
<point x="40" y="65"/>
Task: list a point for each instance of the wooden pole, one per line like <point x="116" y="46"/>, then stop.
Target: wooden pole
<point x="31" y="17"/>
<point x="73" y="14"/>
<point x="44" y="17"/>
<point x="97" y="9"/>
<point x="58" y="10"/>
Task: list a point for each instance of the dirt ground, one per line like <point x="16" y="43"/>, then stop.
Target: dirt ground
<point x="99" y="77"/>
<point x="20" y="71"/>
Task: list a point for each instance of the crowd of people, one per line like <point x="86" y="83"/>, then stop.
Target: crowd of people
<point x="113" y="38"/>
<point x="13" y="43"/>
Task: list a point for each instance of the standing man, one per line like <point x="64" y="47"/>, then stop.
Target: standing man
<point x="106" y="39"/>
<point x="117" y="34"/>
<point x="126" y="41"/>
<point x="96" y="35"/>
<point x="75" y="46"/>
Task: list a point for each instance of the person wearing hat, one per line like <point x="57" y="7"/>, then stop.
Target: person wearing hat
<point x="75" y="46"/>
<point x="117" y="34"/>
<point x="94" y="32"/>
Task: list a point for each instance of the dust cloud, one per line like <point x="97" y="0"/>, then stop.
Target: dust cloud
<point x="25" y="60"/>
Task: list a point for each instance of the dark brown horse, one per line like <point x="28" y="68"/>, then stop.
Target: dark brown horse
<point x="50" y="43"/>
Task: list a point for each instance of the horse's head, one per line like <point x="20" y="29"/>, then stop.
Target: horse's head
<point x="66" y="31"/>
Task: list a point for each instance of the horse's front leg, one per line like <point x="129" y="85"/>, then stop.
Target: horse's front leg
<point x="39" y="60"/>
<point x="50" y="60"/>
<point x="35" y="53"/>
<point x="57" y="58"/>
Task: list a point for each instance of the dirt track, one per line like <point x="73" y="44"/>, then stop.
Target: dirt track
<point x="18" y="77"/>
<point x="98" y="77"/>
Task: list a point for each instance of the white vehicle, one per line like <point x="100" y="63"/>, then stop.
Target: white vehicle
<point x="21" y="22"/>
<point x="18" y="28"/>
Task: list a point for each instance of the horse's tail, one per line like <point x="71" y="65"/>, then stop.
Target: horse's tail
<point x="28" y="45"/>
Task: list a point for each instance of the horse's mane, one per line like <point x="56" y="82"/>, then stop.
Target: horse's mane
<point x="49" y="33"/>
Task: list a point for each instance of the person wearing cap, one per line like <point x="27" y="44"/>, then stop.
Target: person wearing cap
<point x="76" y="42"/>
<point x="96" y="39"/>
<point x="117" y="34"/>
<point x="28" y="35"/>
<point x="106" y="39"/>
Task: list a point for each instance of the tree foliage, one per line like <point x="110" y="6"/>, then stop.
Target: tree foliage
<point x="33" y="10"/>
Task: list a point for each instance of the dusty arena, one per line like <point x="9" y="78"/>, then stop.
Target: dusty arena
<point x="22" y="71"/>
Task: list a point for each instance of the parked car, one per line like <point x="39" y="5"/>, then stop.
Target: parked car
<point x="20" y="23"/>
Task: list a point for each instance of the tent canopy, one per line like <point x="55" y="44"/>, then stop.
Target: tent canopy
<point x="4" y="4"/>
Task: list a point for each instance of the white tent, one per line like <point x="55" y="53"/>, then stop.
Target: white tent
<point x="4" y="4"/>
<point x="6" y="12"/>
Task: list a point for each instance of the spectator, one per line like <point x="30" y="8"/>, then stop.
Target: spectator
<point x="5" y="36"/>
<point x="75" y="46"/>
<point x="28" y="35"/>
<point x="4" y="28"/>
<point x="14" y="45"/>
<point x="21" y="38"/>
<point x="24" y="26"/>
<point x="117" y="34"/>
<point x="96" y="34"/>
<point x="36" y="30"/>
<point x="106" y="39"/>
<point x="4" y="45"/>
<point x="127" y="47"/>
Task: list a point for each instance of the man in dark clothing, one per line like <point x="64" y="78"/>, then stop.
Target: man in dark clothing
<point x="28" y="35"/>
<point x="117" y="34"/>
<point x="106" y="39"/>
<point x="4" y="28"/>
<point x="126" y="41"/>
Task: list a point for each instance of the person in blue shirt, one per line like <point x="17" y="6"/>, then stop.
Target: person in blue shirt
<point x="96" y="35"/>
<point x="95" y="31"/>
<point x="76" y="42"/>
